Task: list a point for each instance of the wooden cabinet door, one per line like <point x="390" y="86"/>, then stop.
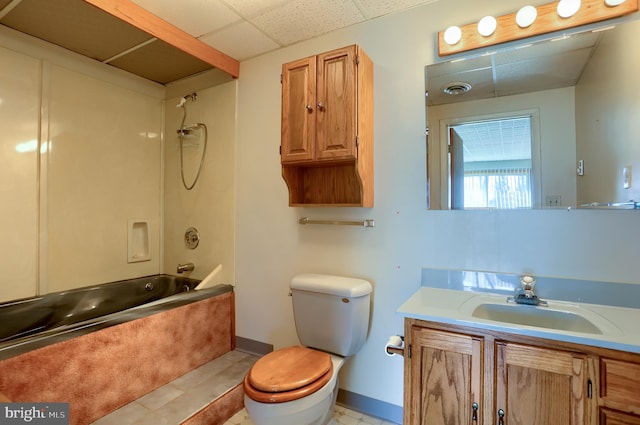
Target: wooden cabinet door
<point x="444" y="378"/>
<point x="336" y="116"/>
<point x="539" y="386"/>
<point x="298" y="110"/>
<point x="611" y="417"/>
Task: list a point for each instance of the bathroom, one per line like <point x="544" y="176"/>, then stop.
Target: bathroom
<point x="240" y="205"/>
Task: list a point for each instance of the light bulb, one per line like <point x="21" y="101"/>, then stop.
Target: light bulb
<point x="526" y="16"/>
<point x="568" y="8"/>
<point x="452" y="35"/>
<point x="487" y="26"/>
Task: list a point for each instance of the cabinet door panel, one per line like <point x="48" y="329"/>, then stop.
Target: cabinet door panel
<point x="619" y="384"/>
<point x="336" y="102"/>
<point x="538" y="386"/>
<point x="610" y="417"/>
<point x="298" y="110"/>
<point x="446" y="378"/>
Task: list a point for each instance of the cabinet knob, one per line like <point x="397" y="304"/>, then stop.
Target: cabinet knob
<point x="321" y="105"/>
<point x="500" y="417"/>
<point x="308" y="107"/>
<point x="474" y="414"/>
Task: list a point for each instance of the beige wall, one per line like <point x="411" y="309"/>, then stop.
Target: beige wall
<point x="272" y="247"/>
<point x="608" y="101"/>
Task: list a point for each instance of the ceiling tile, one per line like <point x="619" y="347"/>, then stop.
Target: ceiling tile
<point x="375" y="8"/>
<point x="196" y="17"/>
<point x="240" y="41"/>
<point x="250" y="8"/>
<point x="304" y="19"/>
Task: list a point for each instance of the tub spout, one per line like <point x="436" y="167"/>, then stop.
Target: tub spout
<point x="186" y="267"/>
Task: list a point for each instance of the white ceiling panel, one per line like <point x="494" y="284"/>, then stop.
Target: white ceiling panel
<point x="543" y="66"/>
<point x="303" y="19"/>
<point x="233" y="23"/>
<point x="374" y="8"/>
<point x="251" y="8"/>
<point x="196" y="17"/>
<point x="240" y="41"/>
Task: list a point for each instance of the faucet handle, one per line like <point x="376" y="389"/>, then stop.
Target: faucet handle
<point x="527" y="282"/>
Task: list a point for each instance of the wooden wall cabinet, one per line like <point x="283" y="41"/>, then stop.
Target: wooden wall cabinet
<point x="327" y="129"/>
<point x="459" y="375"/>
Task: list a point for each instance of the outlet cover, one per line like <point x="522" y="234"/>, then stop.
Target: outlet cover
<point x="553" y="201"/>
<point x="626" y="177"/>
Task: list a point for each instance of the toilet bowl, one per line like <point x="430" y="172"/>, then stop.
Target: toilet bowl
<point x="314" y="408"/>
<point x="298" y="385"/>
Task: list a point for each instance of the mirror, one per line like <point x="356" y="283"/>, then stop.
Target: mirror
<point x="580" y="96"/>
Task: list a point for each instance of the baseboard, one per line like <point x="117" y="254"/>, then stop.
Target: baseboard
<point x="252" y="346"/>
<point x="370" y="406"/>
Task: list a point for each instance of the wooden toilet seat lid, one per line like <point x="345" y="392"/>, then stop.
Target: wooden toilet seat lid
<point x="289" y="369"/>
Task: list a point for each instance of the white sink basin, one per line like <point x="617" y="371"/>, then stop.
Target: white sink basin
<point x="541" y="317"/>
<point x="559" y="316"/>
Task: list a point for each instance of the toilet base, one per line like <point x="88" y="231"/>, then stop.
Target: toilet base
<point x="319" y="412"/>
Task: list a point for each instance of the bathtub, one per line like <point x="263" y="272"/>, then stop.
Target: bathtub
<point x="34" y="322"/>
<point x="101" y="347"/>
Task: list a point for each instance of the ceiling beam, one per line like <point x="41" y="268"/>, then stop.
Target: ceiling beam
<point x="146" y="21"/>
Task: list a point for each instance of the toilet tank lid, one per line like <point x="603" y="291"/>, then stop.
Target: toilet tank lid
<point x="331" y="284"/>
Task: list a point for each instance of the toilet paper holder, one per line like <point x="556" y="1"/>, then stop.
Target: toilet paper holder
<point x="395" y="345"/>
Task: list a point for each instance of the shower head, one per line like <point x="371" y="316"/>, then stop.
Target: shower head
<point x="193" y="96"/>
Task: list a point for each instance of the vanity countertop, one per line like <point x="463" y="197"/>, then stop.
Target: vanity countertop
<point x="620" y="326"/>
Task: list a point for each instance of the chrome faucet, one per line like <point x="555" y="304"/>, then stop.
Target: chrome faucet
<point x="525" y="295"/>
<point x="186" y="267"/>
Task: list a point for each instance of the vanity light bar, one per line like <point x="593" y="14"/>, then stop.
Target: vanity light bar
<point x="546" y="19"/>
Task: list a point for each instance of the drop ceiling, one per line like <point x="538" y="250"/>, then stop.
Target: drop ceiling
<point x="239" y="29"/>
<point x="541" y="66"/>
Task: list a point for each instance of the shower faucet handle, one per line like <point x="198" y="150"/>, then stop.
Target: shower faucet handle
<point x="191" y="238"/>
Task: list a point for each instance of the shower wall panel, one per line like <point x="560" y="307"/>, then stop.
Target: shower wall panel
<point x="81" y="155"/>
<point x="209" y="206"/>
<point x="19" y="108"/>
<point x="103" y="169"/>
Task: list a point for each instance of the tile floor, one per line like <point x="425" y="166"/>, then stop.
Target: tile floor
<point x="176" y="401"/>
<point x="341" y="416"/>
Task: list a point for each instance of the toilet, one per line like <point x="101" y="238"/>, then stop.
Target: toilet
<point x="298" y="385"/>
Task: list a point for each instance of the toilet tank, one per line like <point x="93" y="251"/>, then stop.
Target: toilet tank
<point x="331" y="312"/>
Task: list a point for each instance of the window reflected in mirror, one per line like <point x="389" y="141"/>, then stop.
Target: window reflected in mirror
<point x="491" y="163"/>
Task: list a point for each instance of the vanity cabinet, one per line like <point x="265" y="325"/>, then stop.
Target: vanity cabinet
<point x="463" y="375"/>
<point x="326" y="146"/>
